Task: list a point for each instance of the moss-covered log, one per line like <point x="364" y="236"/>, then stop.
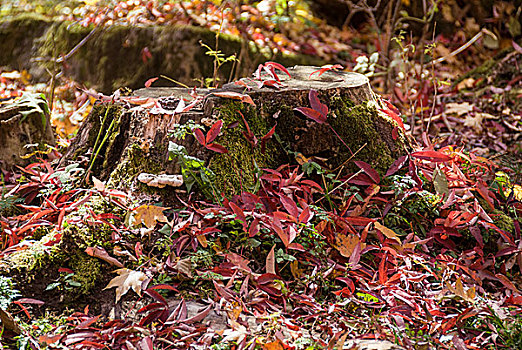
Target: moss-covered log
<point x="132" y="140"/>
<point x="124" y="56"/>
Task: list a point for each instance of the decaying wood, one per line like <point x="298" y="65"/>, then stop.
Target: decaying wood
<point x="17" y="132"/>
<point x="144" y="131"/>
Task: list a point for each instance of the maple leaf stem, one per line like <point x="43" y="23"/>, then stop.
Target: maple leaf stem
<point x="339" y="137"/>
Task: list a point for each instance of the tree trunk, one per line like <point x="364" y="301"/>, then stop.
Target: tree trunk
<point x="18" y="131"/>
<point x="133" y="140"/>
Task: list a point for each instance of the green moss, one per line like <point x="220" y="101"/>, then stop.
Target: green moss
<point x="360" y="127"/>
<point x="503" y="221"/>
<point x="35" y="257"/>
<point x="136" y="162"/>
<point x="87" y="271"/>
<point x="39" y="263"/>
<point x="238" y="168"/>
<point x="17" y="37"/>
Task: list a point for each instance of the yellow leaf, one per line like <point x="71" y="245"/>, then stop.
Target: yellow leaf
<point x="126" y="280"/>
<point x="149" y="215"/>
<point x="517" y="192"/>
<point x="471" y="293"/>
<point x="235" y="311"/>
<point x="387" y="232"/>
<point x="459" y="289"/>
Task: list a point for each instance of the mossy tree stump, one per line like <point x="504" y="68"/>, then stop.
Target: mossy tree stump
<point x="19" y="127"/>
<point x="138" y="139"/>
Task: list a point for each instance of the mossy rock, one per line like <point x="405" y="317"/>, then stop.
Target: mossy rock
<point x="36" y="269"/>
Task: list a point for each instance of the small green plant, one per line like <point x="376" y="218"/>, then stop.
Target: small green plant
<point x="219" y="60"/>
<point x="194" y="171"/>
<point x="67" y="178"/>
<point x="180" y="131"/>
<point x="8" y="293"/>
<point x="65" y="281"/>
<point x="44" y="325"/>
<point x="7" y="203"/>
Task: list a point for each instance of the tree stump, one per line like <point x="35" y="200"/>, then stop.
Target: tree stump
<point x="136" y="139"/>
<point x="19" y="128"/>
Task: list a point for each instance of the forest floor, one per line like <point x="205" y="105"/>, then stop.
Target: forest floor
<point x="427" y="255"/>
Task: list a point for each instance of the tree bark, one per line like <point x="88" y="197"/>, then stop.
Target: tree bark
<point x="136" y="140"/>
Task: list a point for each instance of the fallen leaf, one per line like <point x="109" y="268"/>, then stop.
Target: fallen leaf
<point x="149" y="215"/>
<point x="345" y="244"/>
<point x="458" y="108"/>
<point x="440" y="182"/>
<point x="101" y="253"/>
<point x="149" y="82"/>
<point x="126" y="280"/>
<point x="235" y="96"/>
<point x="296" y="271"/>
<point x="275" y="345"/>
<point x="324" y="69"/>
<point x="270" y="261"/>
<point x="387" y="232"/>
<point x="475" y="121"/>
<point x="98" y="185"/>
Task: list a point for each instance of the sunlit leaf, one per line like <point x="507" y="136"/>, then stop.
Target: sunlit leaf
<point x="126" y="280"/>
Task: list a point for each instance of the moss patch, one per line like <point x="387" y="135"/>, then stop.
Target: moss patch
<point x="35" y="267"/>
<point x="361" y="127"/>
<point x="136" y="161"/>
<point x="238" y="168"/>
<point x="503" y="221"/>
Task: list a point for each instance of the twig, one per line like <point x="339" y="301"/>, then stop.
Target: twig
<point x="465" y="46"/>
<point x="174" y="81"/>
<point x="344" y="183"/>
<point x="351" y="157"/>
<point x="78" y="46"/>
